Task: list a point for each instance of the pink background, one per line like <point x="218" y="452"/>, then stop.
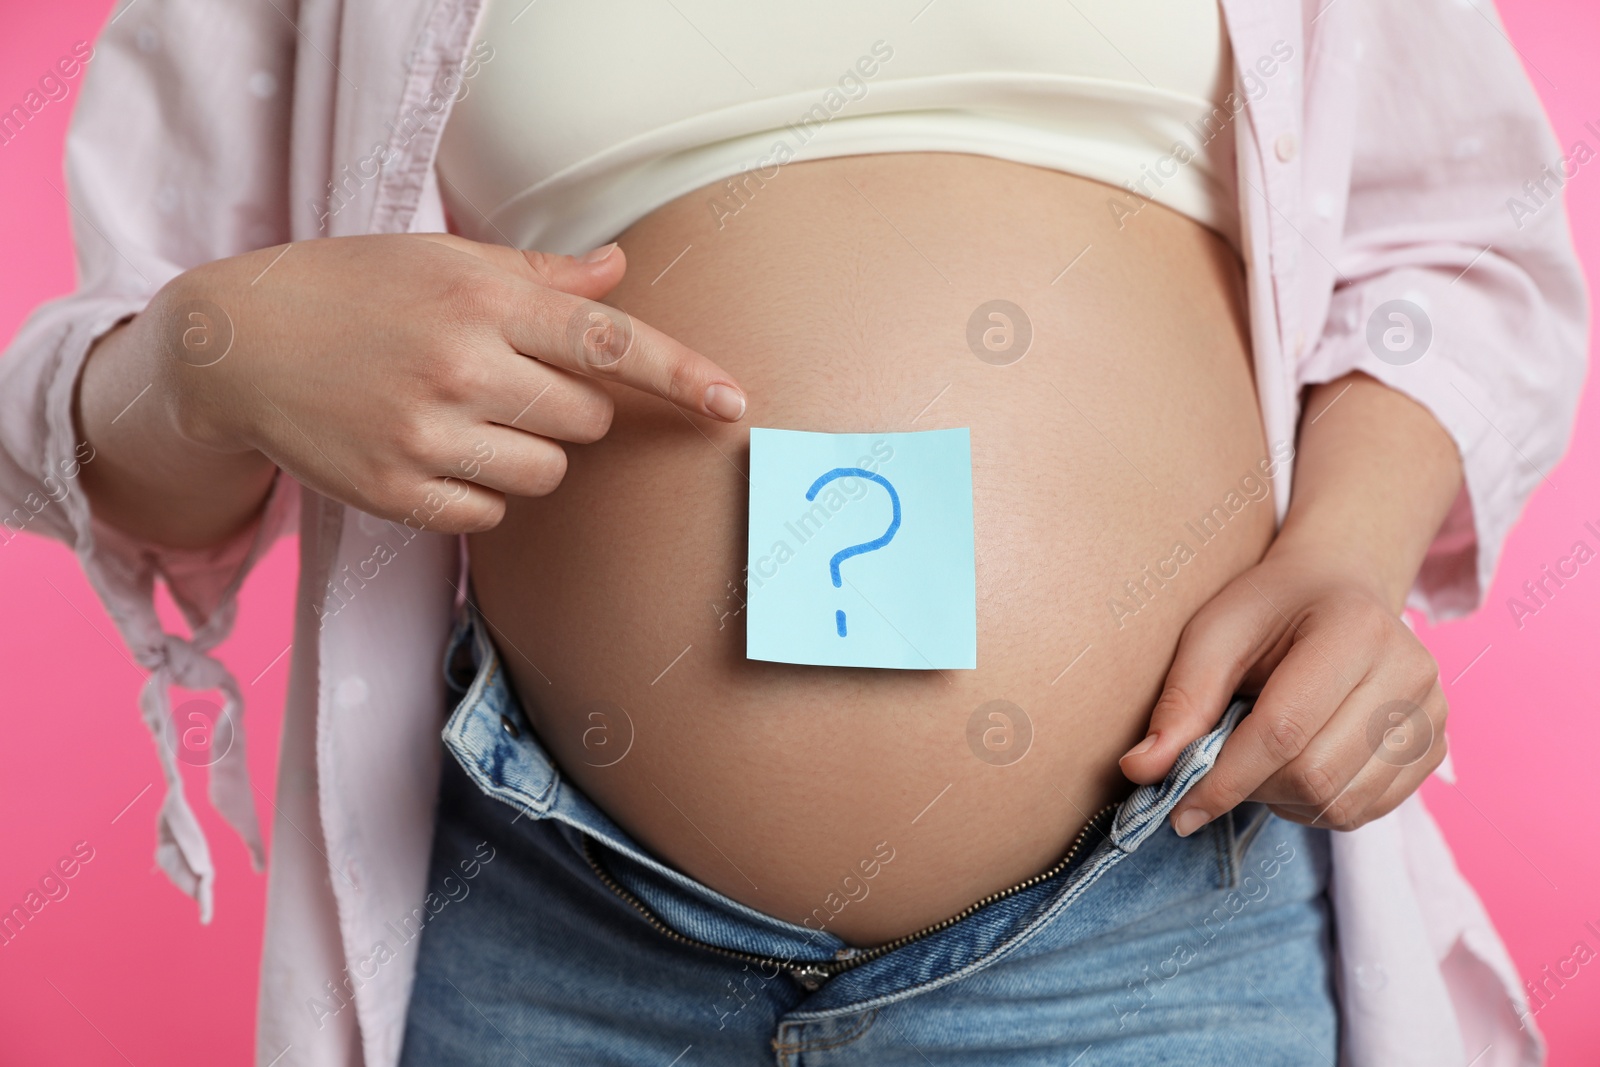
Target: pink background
<point x="121" y="971"/>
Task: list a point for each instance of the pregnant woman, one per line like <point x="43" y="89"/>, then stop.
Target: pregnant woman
<point x="490" y="295"/>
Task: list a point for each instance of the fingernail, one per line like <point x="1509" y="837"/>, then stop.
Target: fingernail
<point x="595" y="255"/>
<point x="1187" y="822"/>
<point x="1143" y="746"/>
<point x="725" y="402"/>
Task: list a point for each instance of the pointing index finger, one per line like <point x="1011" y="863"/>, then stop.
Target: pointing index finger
<point x="606" y="343"/>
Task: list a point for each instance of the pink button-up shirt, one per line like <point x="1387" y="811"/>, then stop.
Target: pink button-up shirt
<point x="1374" y="164"/>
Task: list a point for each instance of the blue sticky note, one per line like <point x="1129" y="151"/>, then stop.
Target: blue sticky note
<point x="861" y="550"/>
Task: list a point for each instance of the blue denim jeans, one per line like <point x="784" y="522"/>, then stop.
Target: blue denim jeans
<point x="559" y="940"/>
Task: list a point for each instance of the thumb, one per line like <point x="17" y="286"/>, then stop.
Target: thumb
<point x="1223" y="640"/>
<point x="590" y="275"/>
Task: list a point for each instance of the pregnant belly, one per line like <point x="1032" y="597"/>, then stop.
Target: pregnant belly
<point x="1117" y="485"/>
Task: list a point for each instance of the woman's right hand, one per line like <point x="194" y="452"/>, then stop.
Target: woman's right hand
<point x="416" y="377"/>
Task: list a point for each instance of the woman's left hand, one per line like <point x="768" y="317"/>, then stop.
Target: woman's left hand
<point x="1350" y="717"/>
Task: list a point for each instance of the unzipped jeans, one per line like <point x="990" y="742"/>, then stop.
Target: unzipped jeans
<point x="553" y="938"/>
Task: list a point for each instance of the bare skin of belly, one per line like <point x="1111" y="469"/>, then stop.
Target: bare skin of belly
<point x="839" y="296"/>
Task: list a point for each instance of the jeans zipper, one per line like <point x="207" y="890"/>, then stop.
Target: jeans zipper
<point x="810" y="976"/>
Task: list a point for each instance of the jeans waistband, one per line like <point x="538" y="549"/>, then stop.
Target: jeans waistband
<point x="490" y="736"/>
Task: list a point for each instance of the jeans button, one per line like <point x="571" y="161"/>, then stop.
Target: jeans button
<point x="509" y="726"/>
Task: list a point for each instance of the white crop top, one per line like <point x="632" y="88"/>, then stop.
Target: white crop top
<point x="583" y="116"/>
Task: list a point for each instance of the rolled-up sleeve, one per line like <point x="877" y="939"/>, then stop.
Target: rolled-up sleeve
<point x="177" y="155"/>
<point x="1458" y="284"/>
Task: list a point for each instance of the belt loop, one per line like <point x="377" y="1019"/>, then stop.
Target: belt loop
<point x="461" y="655"/>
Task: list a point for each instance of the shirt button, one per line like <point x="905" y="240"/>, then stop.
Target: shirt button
<point x="509" y="726"/>
<point x="1286" y="146"/>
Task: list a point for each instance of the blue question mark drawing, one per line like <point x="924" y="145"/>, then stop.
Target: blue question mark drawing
<point x="920" y="592"/>
<point x="865" y="546"/>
